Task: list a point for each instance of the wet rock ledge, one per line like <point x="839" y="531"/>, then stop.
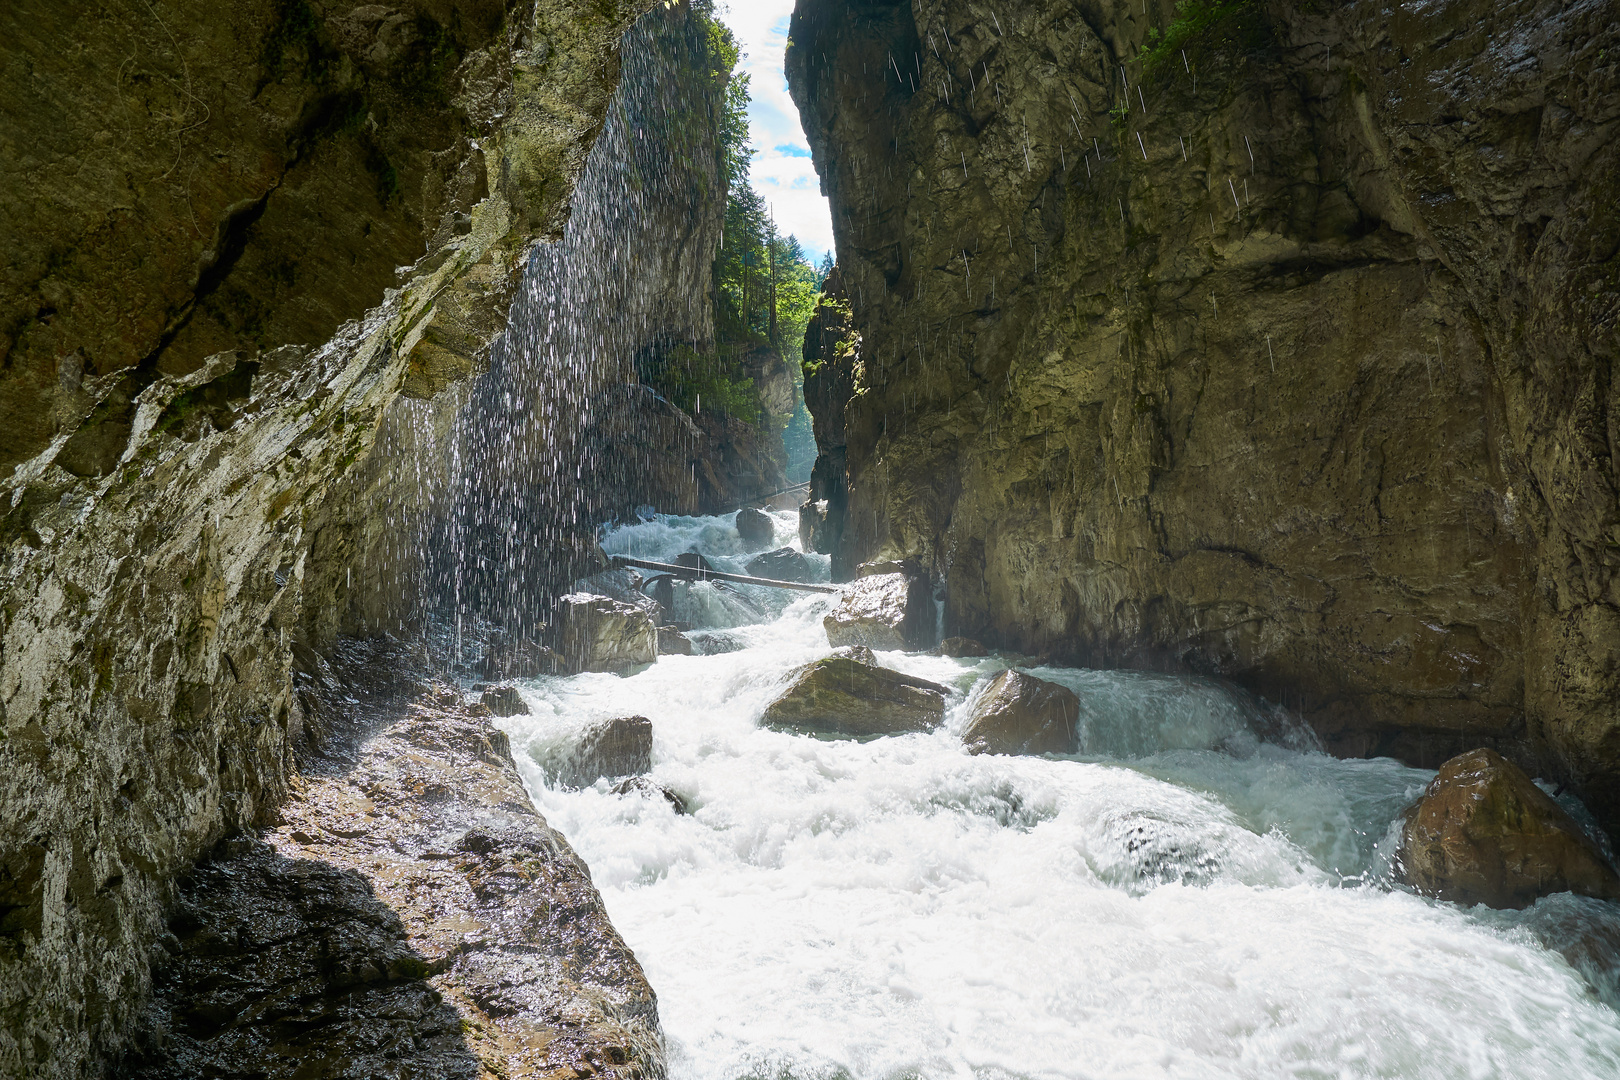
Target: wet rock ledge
<point x="241" y="233"/>
<point x="410" y="915"/>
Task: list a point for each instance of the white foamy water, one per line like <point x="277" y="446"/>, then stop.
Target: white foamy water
<point x="1184" y="900"/>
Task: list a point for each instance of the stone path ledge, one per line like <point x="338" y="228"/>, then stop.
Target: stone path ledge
<point x="411" y="915"/>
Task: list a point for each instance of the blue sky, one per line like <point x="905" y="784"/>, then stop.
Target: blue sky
<point x="782" y="171"/>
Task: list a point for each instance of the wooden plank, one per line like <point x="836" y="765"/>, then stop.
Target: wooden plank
<point x="697" y="573"/>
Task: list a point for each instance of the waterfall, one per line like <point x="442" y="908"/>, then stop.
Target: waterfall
<point x="509" y="476"/>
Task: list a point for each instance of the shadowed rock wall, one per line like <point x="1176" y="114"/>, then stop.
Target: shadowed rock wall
<point x="1282" y="352"/>
<point x="203" y="326"/>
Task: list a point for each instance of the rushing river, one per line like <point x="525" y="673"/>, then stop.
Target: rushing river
<point x="1181" y="900"/>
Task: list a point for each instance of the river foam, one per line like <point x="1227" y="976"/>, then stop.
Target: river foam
<point x="1184" y="899"/>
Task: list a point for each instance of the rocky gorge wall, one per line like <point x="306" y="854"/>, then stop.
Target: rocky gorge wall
<point x="239" y="234"/>
<point x="1262" y="340"/>
<point x="486" y="499"/>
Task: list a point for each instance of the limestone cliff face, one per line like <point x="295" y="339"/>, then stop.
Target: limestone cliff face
<point x="1283" y="351"/>
<point x="497" y="488"/>
<point x="203" y="325"/>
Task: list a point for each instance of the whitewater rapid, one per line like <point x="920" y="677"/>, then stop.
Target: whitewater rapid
<point x="1181" y="900"/>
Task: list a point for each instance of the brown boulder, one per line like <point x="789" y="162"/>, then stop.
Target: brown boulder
<point x="1020" y="714"/>
<point x="961" y="646"/>
<point x="844" y="696"/>
<point x="883" y="611"/>
<point x="596" y="633"/>
<point x="640" y="785"/>
<point x="1483" y="833"/>
<point x="620" y="747"/>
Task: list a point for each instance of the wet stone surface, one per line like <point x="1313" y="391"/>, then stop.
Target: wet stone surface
<point x="1020" y="714"/>
<point x="1484" y="833"/>
<point x="293" y="967"/>
<point x="883" y="611"/>
<point x="848" y="695"/>
<point x="411" y="916"/>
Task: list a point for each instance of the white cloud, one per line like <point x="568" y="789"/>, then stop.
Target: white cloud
<point x="782" y="172"/>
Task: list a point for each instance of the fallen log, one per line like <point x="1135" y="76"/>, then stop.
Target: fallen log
<point x="699" y="573"/>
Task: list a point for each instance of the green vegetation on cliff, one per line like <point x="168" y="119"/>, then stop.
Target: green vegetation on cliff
<point x="764" y="290"/>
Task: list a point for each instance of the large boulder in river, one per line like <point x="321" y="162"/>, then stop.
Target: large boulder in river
<point x="841" y="695"/>
<point x="596" y="633"/>
<point x="1484" y="833"/>
<point x="619" y="747"/>
<point x="1020" y="714"/>
<point x="884" y="611"/>
<point x="783" y="564"/>
<point x="755" y="527"/>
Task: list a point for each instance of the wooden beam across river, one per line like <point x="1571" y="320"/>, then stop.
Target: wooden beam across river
<point x="698" y="573"/>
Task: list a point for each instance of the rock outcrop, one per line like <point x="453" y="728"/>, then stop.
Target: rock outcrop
<point x="292" y="967"/>
<point x="672" y="642"/>
<point x="558" y="435"/>
<point x="1020" y="714"/>
<point x="595" y="633"/>
<point x="1290" y="361"/>
<point x="504" y="701"/>
<point x="1483" y="833"/>
<point x="845" y="695"/>
<point x="883" y="611"/>
<point x="411" y="905"/>
<point x="202" y="329"/>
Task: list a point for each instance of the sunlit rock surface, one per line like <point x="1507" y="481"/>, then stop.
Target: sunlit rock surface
<point x="846" y="695"/>
<point x="883" y="611"/>
<point x="241" y="232"/>
<point x="1289" y="359"/>
<point x="595" y="633"/>
<point x="1020" y="714"/>
<point x="1483" y="833"/>
<point x="411" y="910"/>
